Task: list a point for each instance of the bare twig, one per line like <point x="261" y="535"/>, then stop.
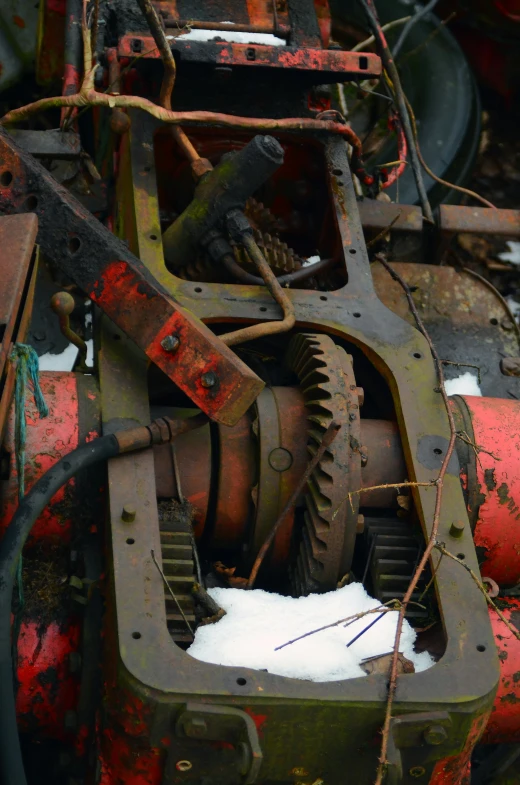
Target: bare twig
<point x="463" y="365"/>
<point x="498" y="295"/>
<point x="392" y="686"/>
<point x="385" y="28"/>
<point x="385" y="230"/>
<point x="172" y="594"/>
<point x="440" y="547"/>
<point x="397" y="486"/>
<point x="348" y="619"/>
<point x="328" y="437"/>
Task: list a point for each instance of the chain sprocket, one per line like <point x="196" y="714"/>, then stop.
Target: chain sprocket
<point x="328" y="534"/>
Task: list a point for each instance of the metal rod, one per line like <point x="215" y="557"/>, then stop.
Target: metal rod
<point x="328" y="437"/>
<point x="165" y="579"/>
<point x="281" y="31"/>
<point x="366" y="629"/>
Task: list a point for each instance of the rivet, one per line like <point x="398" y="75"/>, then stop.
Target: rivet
<point x="457" y="529"/>
<point x="280" y="459"/>
<point x="435" y="735"/>
<point x="208" y="379"/>
<point x="171" y="343"/>
<point x="128" y="514"/>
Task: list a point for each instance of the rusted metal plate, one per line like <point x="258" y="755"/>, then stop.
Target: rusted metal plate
<point x="377" y="216"/>
<point x="326" y="65"/>
<point x="122" y="286"/>
<point x="479" y="220"/>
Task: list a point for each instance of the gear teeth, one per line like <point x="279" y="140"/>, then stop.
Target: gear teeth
<point x="279" y="256"/>
<point x="328" y="533"/>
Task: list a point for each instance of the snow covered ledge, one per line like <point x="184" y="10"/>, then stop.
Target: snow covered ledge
<point x="257" y="622"/>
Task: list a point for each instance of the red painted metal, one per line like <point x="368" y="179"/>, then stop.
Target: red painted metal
<point x="456" y="770"/>
<point x="332" y="61"/>
<point x="48" y="440"/>
<point x="504" y="723"/>
<point x="496" y="425"/>
<point x="47" y="686"/>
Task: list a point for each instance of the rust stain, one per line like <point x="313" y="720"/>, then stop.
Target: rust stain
<point x="19" y="22"/>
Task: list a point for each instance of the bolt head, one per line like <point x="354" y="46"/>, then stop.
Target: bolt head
<point x="457" y="529"/>
<point x="280" y="459"/>
<point x="208" y="379"/>
<point x="171" y="343"/>
<point x="435" y="735"/>
<point x="128" y="513"/>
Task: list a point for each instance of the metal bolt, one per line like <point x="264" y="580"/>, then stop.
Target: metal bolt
<point x="417" y="771"/>
<point x="128" y="514"/>
<point x="208" y="379"/>
<point x="171" y="343"/>
<point x="280" y="459"/>
<point x="457" y="529"/>
<point x="195" y="727"/>
<point x="435" y="735"/>
<point x="360" y="525"/>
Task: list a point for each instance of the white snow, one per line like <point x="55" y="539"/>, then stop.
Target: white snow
<point x="513" y="255"/>
<point x="256" y="622"/>
<point x="514" y="306"/>
<point x="59" y="362"/>
<point x="311" y="260"/>
<point x="465" y="384"/>
<point x="267" y="39"/>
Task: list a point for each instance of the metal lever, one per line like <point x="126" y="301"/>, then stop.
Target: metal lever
<point x="62" y="303"/>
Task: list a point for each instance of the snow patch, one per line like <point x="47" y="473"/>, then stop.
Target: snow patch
<point x="513" y="255"/>
<point x="514" y="306"/>
<point x="256" y="622"/>
<point x="465" y="384"/>
<point x="59" y="362"/>
<point x="311" y="260"/>
<point x="266" y="39"/>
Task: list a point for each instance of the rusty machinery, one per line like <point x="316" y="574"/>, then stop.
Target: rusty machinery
<point x="195" y="261"/>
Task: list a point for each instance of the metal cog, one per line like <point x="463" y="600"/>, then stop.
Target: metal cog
<point x="328" y="533"/>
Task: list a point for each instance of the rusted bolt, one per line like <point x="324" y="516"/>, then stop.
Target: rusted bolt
<point x="435" y="735"/>
<point x="360" y="395"/>
<point x="128" y="514"/>
<point x="360" y="525"/>
<point x="184" y="765"/>
<point x="417" y="771"/>
<point x="280" y="459"/>
<point x="195" y="727"/>
<point x="363" y="451"/>
<point x="71" y="721"/>
<point x="171" y="343"/>
<point x="457" y="529"/>
<point x="506" y="323"/>
<point x="208" y="379"/>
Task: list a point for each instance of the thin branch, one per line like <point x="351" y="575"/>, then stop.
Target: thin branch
<point x="463" y="365"/>
<point x="392" y="686"/>
<point x="397" y="486"/>
<point x="440" y="547"/>
<point x="172" y="594"/>
<point x="385" y="28"/>
<point x="385" y="231"/>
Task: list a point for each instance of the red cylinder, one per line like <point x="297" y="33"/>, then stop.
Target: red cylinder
<point x="492" y="480"/>
<point x="504" y="722"/>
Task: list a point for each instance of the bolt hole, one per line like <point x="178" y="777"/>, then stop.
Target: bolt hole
<point x="6" y="178"/>
<point x="241" y="682"/>
<point x="352" y="251"/>
<point x="324" y="298"/>
<point x="480" y="647"/>
<point x="153" y="237"/>
<point x="356" y="315"/>
<point x="417" y="355"/>
<point x="31" y="203"/>
<point x="363" y="63"/>
<point x="136" y="636"/>
<point x="74" y="244"/>
<point x="147" y="168"/>
<point x="437" y="451"/>
<point x="263" y="308"/>
<point x="461" y="556"/>
<point x="197" y="289"/>
<point x="337" y="172"/>
<point x="116" y="337"/>
<point x="493" y="321"/>
<point x="130" y="540"/>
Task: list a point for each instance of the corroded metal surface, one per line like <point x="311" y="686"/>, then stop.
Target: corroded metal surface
<point x="504" y="723"/>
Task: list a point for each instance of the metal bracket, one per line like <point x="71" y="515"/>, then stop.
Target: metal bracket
<point x="414" y="733"/>
<point x="120" y="284"/>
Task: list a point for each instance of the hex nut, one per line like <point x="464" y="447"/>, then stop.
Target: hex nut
<point x="435" y="734"/>
<point x="128" y="513"/>
<point x="170" y="343"/>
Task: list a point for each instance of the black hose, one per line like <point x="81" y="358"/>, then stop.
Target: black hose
<point x="11" y="762"/>
<point x="302" y="274"/>
<point x="410" y="24"/>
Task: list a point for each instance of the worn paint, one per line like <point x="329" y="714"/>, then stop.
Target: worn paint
<point x="504" y="723"/>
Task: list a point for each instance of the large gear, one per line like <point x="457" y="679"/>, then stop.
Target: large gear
<point x="328" y="534"/>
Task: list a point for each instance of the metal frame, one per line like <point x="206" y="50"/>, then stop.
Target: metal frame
<point x="293" y="714"/>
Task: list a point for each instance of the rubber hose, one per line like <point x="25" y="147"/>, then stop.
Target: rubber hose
<point x="11" y="762"/>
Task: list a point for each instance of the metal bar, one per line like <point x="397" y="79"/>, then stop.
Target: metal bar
<point x="120" y="284"/>
<point x="479" y="220"/>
